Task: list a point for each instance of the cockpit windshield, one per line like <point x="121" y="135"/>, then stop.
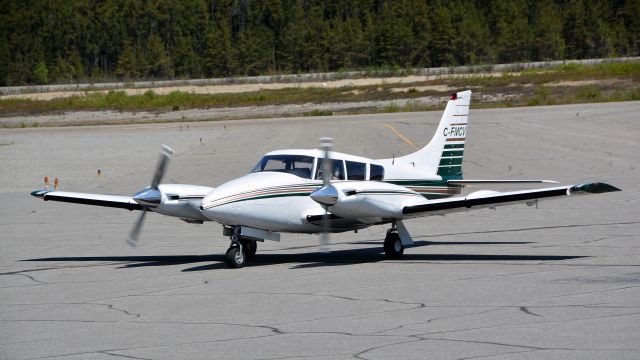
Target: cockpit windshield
<point x="298" y="165"/>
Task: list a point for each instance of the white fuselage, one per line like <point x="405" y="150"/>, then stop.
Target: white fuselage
<point x="279" y="201"/>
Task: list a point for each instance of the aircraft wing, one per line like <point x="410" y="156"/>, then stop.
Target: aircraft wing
<point x="490" y="199"/>
<point x="501" y="181"/>
<point x="115" y="201"/>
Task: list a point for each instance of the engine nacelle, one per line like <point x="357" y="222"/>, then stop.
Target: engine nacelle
<point x="179" y="200"/>
<point x="366" y="199"/>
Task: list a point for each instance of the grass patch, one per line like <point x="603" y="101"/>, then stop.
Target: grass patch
<point x="562" y="84"/>
<point x="391" y="108"/>
<point x="541" y="96"/>
<point x="318" y="112"/>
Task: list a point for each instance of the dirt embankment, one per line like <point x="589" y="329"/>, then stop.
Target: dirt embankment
<point x="242" y="88"/>
<point x="192" y="102"/>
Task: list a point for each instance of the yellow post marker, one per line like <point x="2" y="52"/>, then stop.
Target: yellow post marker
<point x="46" y="182"/>
<point x="55" y="183"/>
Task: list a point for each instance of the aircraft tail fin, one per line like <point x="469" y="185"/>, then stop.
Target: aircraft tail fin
<point x="443" y="154"/>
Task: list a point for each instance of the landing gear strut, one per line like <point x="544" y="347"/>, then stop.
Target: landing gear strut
<point x="393" y="247"/>
<point x="250" y="247"/>
<point x="236" y="257"/>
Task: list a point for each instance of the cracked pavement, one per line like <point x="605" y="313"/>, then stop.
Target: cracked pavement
<point x="558" y="282"/>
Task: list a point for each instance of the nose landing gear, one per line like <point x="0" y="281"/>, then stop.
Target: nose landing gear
<point x="235" y="255"/>
<point x="240" y="250"/>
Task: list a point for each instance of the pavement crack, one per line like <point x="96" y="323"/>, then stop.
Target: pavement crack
<point x="442" y="318"/>
<point x="498" y="354"/>
<point x="146" y="293"/>
<point x="529" y="347"/>
<point x="112" y="307"/>
<point x="30" y="277"/>
<point x="26" y="342"/>
<point x="59" y="267"/>
<point x="417" y="305"/>
<point x="315" y="356"/>
<point x="587" y="293"/>
<point x="413" y="305"/>
<point x="361" y="356"/>
<point x="111" y="351"/>
<point x="528" y="323"/>
<point x="596" y="240"/>
<point x="108" y="352"/>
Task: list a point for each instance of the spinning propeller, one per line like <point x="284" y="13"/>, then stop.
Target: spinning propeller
<point x="327" y="195"/>
<point x="150" y="196"/>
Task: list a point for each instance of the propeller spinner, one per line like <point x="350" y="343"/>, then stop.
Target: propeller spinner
<point x="150" y="196"/>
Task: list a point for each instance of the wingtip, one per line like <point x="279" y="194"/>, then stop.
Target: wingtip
<point x="39" y="193"/>
<point x="595" y="188"/>
<point x="166" y="150"/>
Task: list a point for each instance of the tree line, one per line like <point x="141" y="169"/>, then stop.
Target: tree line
<point x="65" y="41"/>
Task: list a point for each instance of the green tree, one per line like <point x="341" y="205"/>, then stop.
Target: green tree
<point x="575" y="30"/>
<point x="422" y="34"/>
<point x="255" y="52"/>
<point x="185" y="61"/>
<point x="291" y="45"/>
<point x="157" y="61"/>
<point x="218" y="57"/>
<point x="126" y="67"/>
<point x="441" y="48"/>
<point x="630" y="26"/>
<point x="5" y="60"/>
<point x="547" y="42"/>
<point x="41" y="73"/>
<point x="394" y="37"/>
<point x="470" y="43"/>
<point x="511" y="26"/>
<point x="96" y="40"/>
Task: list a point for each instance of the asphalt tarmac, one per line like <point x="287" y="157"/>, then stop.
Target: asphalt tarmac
<point x="560" y="281"/>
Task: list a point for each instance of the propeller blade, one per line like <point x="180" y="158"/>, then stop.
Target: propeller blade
<point x="150" y="196"/>
<point x="165" y="155"/>
<point x="326" y="229"/>
<point x="137" y="227"/>
<point x="326" y="144"/>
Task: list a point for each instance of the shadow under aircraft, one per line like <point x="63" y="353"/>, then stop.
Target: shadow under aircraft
<point x="314" y="259"/>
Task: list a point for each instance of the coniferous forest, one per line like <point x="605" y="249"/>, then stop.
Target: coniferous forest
<point x="65" y="41"/>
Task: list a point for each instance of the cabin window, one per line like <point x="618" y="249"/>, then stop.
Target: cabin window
<point x="298" y="165"/>
<point x="376" y="172"/>
<point x="356" y="170"/>
<point x="336" y="166"/>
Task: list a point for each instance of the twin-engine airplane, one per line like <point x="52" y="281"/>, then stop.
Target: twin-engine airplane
<point x="321" y="191"/>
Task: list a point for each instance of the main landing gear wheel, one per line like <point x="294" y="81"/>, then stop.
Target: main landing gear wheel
<point x="250" y="247"/>
<point x="236" y="257"/>
<point x="393" y="247"/>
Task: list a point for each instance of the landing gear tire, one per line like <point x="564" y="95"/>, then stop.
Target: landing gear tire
<point x="250" y="247"/>
<point x="393" y="247"/>
<point x="236" y="257"/>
